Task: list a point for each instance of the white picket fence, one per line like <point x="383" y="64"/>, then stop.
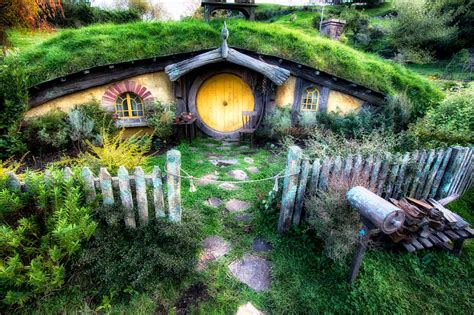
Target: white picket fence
<point x="420" y="174"/>
<point x="124" y="188"/>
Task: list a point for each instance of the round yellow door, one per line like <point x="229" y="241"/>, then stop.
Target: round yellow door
<point x="221" y="101"/>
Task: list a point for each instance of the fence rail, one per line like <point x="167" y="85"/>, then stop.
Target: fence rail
<point x="146" y="190"/>
<point x="420" y="174"/>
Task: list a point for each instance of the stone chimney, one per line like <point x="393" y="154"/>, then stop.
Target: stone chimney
<point x="333" y="28"/>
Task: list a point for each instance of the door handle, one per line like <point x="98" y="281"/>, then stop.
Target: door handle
<point x="225" y="103"/>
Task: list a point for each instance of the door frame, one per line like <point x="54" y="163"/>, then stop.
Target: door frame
<point x="251" y="78"/>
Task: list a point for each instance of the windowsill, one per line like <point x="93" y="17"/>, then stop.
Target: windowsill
<point x="131" y="122"/>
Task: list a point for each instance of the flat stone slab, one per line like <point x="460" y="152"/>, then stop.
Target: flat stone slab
<point x="213" y="202"/>
<point x="253" y="271"/>
<point x="228" y="186"/>
<point x="238" y="175"/>
<point x="252" y="169"/>
<point x="246" y="217"/>
<point x="261" y="245"/>
<point x="235" y="205"/>
<point x="207" y="179"/>
<point x="248" y="309"/>
<point x="214" y="248"/>
<point x="224" y="162"/>
<point x="224" y="148"/>
<point x="248" y="160"/>
<point x="244" y="147"/>
<point x="211" y="145"/>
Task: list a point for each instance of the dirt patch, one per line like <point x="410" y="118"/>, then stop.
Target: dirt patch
<point x="194" y="295"/>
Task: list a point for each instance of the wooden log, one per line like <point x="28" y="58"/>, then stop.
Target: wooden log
<point x="457" y="155"/>
<point x="290" y="186"/>
<point x="397" y="189"/>
<point x="126" y="197"/>
<point x="424" y="174"/>
<point x="325" y="172"/>
<point x="89" y="187"/>
<point x="431" y="174"/>
<point x="439" y="175"/>
<point x="13" y="183"/>
<point x="314" y="183"/>
<point x="383" y="174"/>
<point x="394" y="169"/>
<point x="375" y="172"/>
<point x="106" y="187"/>
<point x="303" y="180"/>
<point x="418" y="174"/>
<point x="142" y="200"/>
<point x="158" y="198"/>
<point x="173" y="170"/>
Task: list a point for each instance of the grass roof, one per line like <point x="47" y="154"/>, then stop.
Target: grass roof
<point x="72" y="50"/>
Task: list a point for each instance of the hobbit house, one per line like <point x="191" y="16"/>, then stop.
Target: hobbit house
<point x="215" y="85"/>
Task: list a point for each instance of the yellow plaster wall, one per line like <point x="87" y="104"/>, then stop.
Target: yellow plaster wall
<point x="157" y="83"/>
<point x="285" y="94"/>
<point x="342" y="103"/>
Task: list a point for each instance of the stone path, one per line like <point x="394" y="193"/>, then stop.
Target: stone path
<point x="207" y="179"/>
<point x="248" y="309"/>
<point x="228" y="186"/>
<point x="214" y="248"/>
<point x="261" y="245"/>
<point x="213" y="202"/>
<point x="235" y="205"/>
<point x="248" y="160"/>
<point x="252" y="270"/>
<point x="238" y="175"/>
<point x="223" y="163"/>
<point x="252" y="169"/>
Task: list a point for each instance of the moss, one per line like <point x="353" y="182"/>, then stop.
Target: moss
<point x="73" y="50"/>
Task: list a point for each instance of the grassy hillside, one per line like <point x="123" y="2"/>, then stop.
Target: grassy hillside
<point x="73" y="50"/>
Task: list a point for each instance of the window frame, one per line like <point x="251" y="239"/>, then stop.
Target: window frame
<point x="129" y="110"/>
<point x="314" y="92"/>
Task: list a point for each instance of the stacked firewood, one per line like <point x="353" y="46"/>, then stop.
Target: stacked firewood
<point x="428" y="223"/>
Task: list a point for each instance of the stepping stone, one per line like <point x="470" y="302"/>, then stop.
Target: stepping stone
<point x="214" y="248"/>
<point x="238" y="174"/>
<point x="213" y="202"/>
<point x="224" y="148"/>
<point x="214" y="156"/>
<point x="207" y="180"/>
<point x="244" y="147"/>
<point x="261" y="245"/>
<point x="246" y="217"/>
<point x="253" y="271"/>
<point x="252" y="169"/>
<point x="248" y="309"/>
<point x="224" y="162"/>
<point x="227" y="144"/>
<point x="248" y="160"/>
<point x="211" y="145"/>
<point x="235" y="205"/>
<point x="228" y="186"/>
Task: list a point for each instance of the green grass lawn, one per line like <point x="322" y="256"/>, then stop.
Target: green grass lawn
<point x="304" y="281"/>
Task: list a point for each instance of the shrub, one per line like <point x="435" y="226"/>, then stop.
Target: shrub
<point x="333" y="219"/>
<point x="276" y="123"/>
<point x="41" y="230"/>
<point x="48" y="132"/>
<point x="119" y="259"/>
<point x="103" y="120"/>
<point x="351" y="124"/>
<point x="114" y="152"/>
<point x="450" y="123"/>
<point x="80" y="127"/>
<point x="161" y="119"/>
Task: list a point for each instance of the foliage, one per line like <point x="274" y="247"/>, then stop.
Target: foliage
<point x="418" y="28"/>
<point x="464" y="205"/>
<point x="73" y="50"/>
<point x="41" y="229"/>
<point x="48" y="132"/>
<point x="80" y="126"/>
<point x="450" y="123"/>
<point x="103" y="120"/>
<point x="276" y="123"/>
<point x="119" y="259"/>
<point x="161" y="119"/>
<point x="114" y="152"/>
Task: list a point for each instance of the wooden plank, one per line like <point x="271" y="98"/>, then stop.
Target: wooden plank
<point x="431" y="174"/>
<point x="375" y="172"/>
<point x="300" y="194"/>
<point x="409" y="247"/>
<point x="126" y="197"/>
<point x="89" y="187"/>
<point x="463" y="186"/>
<point x="397" y="190"/>
<point x="470" y="231"/>
<point x="462" y="171"/>
<point x="158" y="197"/>
<point x="425" y="242"/>
<point x="346" y="173"/>
<point x="442" y="236"/>
<point x="434" y="239"/>
<point x="417" y="244"/>
<point x="142" y="200"/>
<point x="452" y="235"/>
<point x="336" y="171"/>
<point x="357" y="168"/>
<point x="409" y="173"/>
<point x="439" y="175"/>
<point x="424" y="174"/>
<point x="325" y="172"/>
<point x="383" y="174"/>
<point x="463" y="233"/>
<point x="453" y="166"/>
<point x="369" y="163"/>
<point x="394" y="169"/>
<point x="106" y="187"/>
<point x="418" y="174"/>
<point x="314" y="183"/>
<point x="173" y="171"/>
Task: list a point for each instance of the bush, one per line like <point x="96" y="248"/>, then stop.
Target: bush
<point x="48" y="132"/>
<point x="103" y="120"/>
<point x="41" y="230"/>
<point x="119" y="259"/>
<point x="161" y="120"/>
<point x="450" y="123"/>
<point x="276" y="123"/>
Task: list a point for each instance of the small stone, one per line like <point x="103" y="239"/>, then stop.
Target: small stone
<point x="207" y="180"/>
<point x="228" y="186"/>
<point x="213" y="202"/>
<point x="235" y="205"/>
<point x="224" y="162"/>
<point x="214" y="248"/>
<point x="248" y="309"/>
<point x="238" y="174"/>
<point x="253" y="271"/>
<point x="248" y="160"/>
<point x="261" y="245"/>
<point x="252" y="169"/>
<point x="243" y="217"/>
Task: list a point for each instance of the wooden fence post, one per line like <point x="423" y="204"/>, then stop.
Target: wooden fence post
<point x="126" y="197"/>
<point x="457" y="155"/>
<point x="158" y="198"/>
<point x="440" y="174"/>
<point x="106" y="187"/>
<point x="303" y="180"/>
<point x="173" y="168"/>
<point x="142" y="200"/>
<point x="316" y="169"/>
<point x="397" y="188"/>
<point x="89" y="187"/>
<point x="290" y="185"/>
<point x="431" y="175"/>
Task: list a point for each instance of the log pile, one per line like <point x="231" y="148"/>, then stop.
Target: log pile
<point x="429" y="223"/>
